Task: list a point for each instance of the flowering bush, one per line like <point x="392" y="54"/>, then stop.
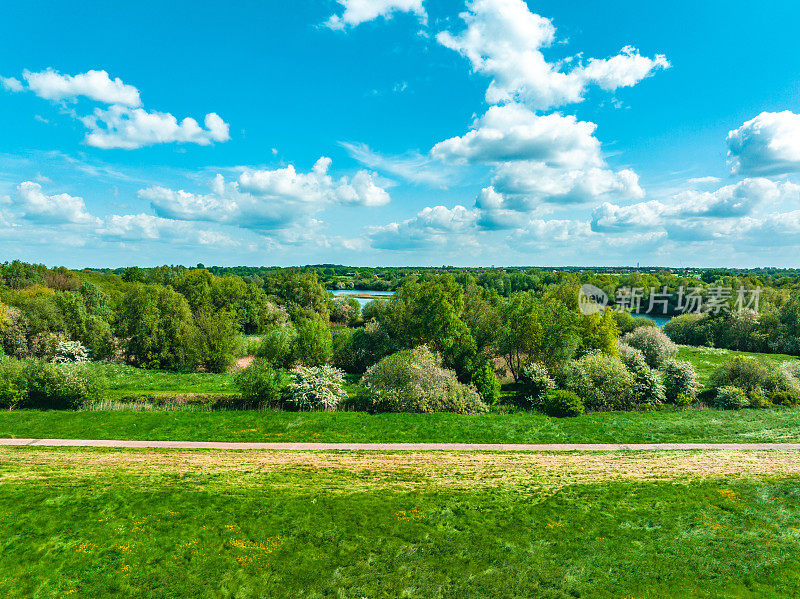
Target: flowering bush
<point x="680" y="378"/>
<point x="601" y="381"/>
<point x="315" y="388"/>
<point x="656" y="347"/>
<point x="648" y="388"/>
<point x="70" y="352"/>
<point x="414" y="381"/>
<point x="537" y="382"/>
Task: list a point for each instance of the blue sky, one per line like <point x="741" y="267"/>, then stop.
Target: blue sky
<point x="389" y="132"/>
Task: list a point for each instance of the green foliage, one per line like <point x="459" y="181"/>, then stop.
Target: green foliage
<point x="355" y="350"/>
<point x="486" y="383"/>
<point x="752" y="375"/>
<point x="13" y="384"/>
<point x="220" y="340"/>
<point x="626" y="322"/>
<point x="682" y="400"/>
<point x="656" y="347"/>
<point x="345" y="310"/>
<point x="680" y="379"/>
<point x="729" y="398"/>
<point x="314" y="344"/>
<point x="414" y="381"/>
<point x="648" y="385"/>
<point x="785" y="398"/>
<point x="315" y="388"/>
<point x="601" y="381"/>
<point x="537" y="330"/>
<point x="14" y="335"/>
<point x="536" y="384"/>
<point x="561" y="403"/>
<point x="133" y="274"/>
<point x="429" y="313"/>
<point x="56" y="386"/>
<point x="158" y="330"/>
<point x="260" y="384"/>
<point x="278" y="346"/>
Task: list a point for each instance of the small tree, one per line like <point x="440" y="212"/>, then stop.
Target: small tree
<point x="656" y="347"/>
<point x="314" y="344"/>
<point x="260" y="384"/>
<point x="536" y="383"/>
<point x="680" y="378"/>
<point x="487" y="384"/>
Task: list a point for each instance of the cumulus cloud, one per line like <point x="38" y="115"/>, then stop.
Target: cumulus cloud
<point x="269" y="198"/>
<point x="123" y="123"/>
<point x="360" y="11"/>
<point x="513" y="132"/>
<point x="128" y="129"/>
<point x="60" y="208"/>
<point x="95" y="85"/>
<point x="695" y="214"/>
<point x="503" y="40"/>
<point x="436" y="225"/>
<point x="146" y="227"/>
<point x="769" y="144"/>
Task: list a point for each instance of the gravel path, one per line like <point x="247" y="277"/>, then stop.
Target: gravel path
<point x="395" y="446"/>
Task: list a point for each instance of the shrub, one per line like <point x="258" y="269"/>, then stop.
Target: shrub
<point x="413" y="380"/>
<point x="355" y="350"/>
<point x="70" y="352"/>
<point x="601" y="381"/>
<point x="757" y="400"/>
<point x="277" y="346"/>
<point x="220" y="339"/>
<point x="314" y="344"/>
<point x="44" y="345"/>
<point x="680" y="378"/>
<point x="785" y="398"/>
<point x="648" y="388"/>
<point x="260" y="384"/>
<point x="59" y="386"/>
<point x="656" y="347"/>
<point x="536" y="383"/>
<point x="561" y="403"/>
<point x="729" y="398"/>
<point x="685" y="329"/>
<point x="13" y="386"/>
<point x="682" y="400"/>
<point x="315" y="388"/>
<point x="345" y="310"/>
<point x="752" y="375"/>
<point x="486" y="383"/>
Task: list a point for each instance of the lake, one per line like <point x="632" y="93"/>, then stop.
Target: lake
<point x="363" y="296"/>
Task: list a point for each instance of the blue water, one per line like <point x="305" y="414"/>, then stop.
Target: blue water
<point x="362" y="300"/>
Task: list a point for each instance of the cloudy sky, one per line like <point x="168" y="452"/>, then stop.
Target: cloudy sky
<point x="391" y="132"/>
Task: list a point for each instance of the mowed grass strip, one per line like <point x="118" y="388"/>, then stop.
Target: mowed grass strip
<point x="663" y="426"/>
<point x="150" y="523"/>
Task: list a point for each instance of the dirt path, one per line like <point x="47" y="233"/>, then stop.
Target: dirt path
<point x="399" y="446"/>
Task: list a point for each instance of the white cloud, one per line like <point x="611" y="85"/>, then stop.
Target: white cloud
<point x="697" y="214"/>
<point x="360" y="11"/>
<point x="95" y="85"/>
<point x="12" y="84"/>
<point x="146" y="227"/>
<point x="266" y="199"/>
<point x="413" y="167"/>
<point x="504" y="40"/>
<point x="527" y="184"/>
<point x="512" y="132"/>
<point x="546" y="233"/>
<point x="50" y="209"/>
<point x="432" y="226"/>
<point x="767" y="144"/>
<point x="124" y="123"/>
<point x="126" y="128"/>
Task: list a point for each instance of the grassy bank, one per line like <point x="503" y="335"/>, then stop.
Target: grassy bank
<point x="768" y="425"/>
<point x="166" y="524"/>
<point x="707" y="359"/>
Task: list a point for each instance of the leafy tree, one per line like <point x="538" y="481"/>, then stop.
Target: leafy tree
<point x="133" y="274"/>
<point x="314" y="345"/>
<point x="219" y="334"/>
<point x="485" y="381"/>
<point x="158" y="329"/>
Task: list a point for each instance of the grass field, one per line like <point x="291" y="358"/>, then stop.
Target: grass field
<point x="766" y="425"/>
<point x="127" y="382"/>
<point x="148" y="523"/>
<point x="707" y="359"/>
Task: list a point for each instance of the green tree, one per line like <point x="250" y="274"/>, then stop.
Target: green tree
<point x="158" y="329"/>
<point x="314" y="344"/>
